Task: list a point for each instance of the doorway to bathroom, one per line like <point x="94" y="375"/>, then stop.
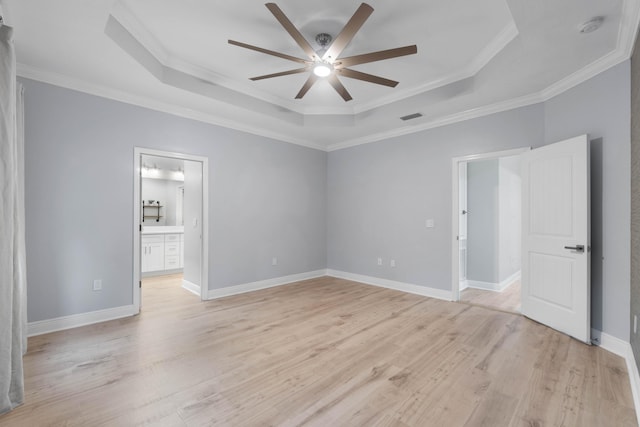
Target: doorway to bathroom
<point x="171" y="222"/>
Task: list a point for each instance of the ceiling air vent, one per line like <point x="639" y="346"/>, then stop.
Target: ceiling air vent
<point x="411" y="116"/>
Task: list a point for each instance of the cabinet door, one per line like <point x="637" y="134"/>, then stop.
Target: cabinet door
<point x="152" y="253"/>
<point x="155" y="256"/>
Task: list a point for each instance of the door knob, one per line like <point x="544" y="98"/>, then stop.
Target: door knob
<point x="577" y="248"/>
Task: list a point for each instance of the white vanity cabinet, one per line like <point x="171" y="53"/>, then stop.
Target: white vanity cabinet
<point x="152" y="253"/>
<point x="161" y="252"/>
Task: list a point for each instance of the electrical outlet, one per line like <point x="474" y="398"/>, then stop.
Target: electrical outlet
<point x="274" y="261"/>
<point x="392" y="263"/>
<point x="97" y="285"/>
<point x="430" y="223"/>
<point x="379" y="261"/>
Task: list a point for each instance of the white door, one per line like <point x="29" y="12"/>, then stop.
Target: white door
<point x="556" y="242"/>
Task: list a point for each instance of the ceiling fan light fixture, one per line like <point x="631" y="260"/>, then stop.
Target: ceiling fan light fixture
<point x="322" y="69"/>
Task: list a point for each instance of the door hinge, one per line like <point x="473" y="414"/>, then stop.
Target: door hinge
<point x="140" y="283"/>
<point x="140" y="227"/>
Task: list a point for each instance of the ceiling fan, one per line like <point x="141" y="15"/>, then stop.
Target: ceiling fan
<point x="326" y="63"/>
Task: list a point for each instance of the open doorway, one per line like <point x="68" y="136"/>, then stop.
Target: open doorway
<point x="487" y="227"/>
<point x="170" y="217"/>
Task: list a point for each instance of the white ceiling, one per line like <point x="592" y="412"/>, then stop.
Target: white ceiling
<point x="474" y="57"/>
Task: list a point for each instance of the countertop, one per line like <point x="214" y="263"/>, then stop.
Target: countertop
<point x="146" y="229"/>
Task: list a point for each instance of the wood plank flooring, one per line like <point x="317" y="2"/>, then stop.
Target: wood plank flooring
<point x="507" y="300"/>
<point x="323" y="352"/>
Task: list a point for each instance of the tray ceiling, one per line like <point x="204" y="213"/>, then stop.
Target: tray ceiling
<point x="474" y="57"/>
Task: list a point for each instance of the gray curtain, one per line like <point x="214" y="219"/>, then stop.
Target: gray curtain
<point x="12" y="250"/>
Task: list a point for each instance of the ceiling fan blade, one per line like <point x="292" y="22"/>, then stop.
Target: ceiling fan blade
<point x="307" y="85"/>
<point x="333" y="81"/>
<point x="292" y="30"/>
<point x="347" y="33"/>
<point x="353" y="74"/>
<point x="283" y="73"/>
<point x="269" y="52"/>
<point x="375" y="56"/>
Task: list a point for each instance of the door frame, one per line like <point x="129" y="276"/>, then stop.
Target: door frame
<point x="138" y="152"/>
<point x="455" y="223"/>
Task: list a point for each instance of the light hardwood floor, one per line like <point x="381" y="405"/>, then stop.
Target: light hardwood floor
<point x="507" y="300"/>
<point x="324" y="352"/>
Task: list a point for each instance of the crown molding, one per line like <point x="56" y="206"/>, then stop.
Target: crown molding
<point x="626" y="39"/>
<point x="630" y="18"/>
<point x="129" y="22"/>
<point x="79" y="85"/>
<point x="629" y="27"/>
<point x="136" y="29"/>
<point x="503" y="38"/>
<point x="473" y="113"/>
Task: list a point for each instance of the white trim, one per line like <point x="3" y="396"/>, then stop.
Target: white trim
<point x="609" y="342"/>
<point x="263" y="284"/>
<point x="462" y="116"/>
<point x="76" y="320"/>
<point x="191" y="287"/>
<point x="485" y="286"/>
<point x="464" y="284"/>
<point x="204" y="274"/>
<point x="634" y="378"/>
<point x="623" y="349"/>
<point x="494" y="47"/>
<point x="72" y="83"/>
<point x="455" y="188"/>
<point x="493" y="286"/>
<point x="392" y="284"/>
<point x="629" y="22"/>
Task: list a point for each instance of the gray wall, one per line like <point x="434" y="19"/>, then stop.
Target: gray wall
<point x="600" y="107"/>
<point x="193" y="196"/>
<point x="266" y="198"/>
<point x="635" y="199"/>
<point x="381" y="193"/>
<point x="482" y="221"/>
<point x="509" y="217"/>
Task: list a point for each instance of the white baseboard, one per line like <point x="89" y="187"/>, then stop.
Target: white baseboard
<point x="634" y="378"/>
<point x="623" y="349"/>
<point x="263" y="284"/>
<point x="392" y="284"/>
<point x="609" y="342"/>
<point x="464" y="284"/>
<point x="491" y="286"/>
<point x="191" y="287"/>
<point x="76" y="320"/>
